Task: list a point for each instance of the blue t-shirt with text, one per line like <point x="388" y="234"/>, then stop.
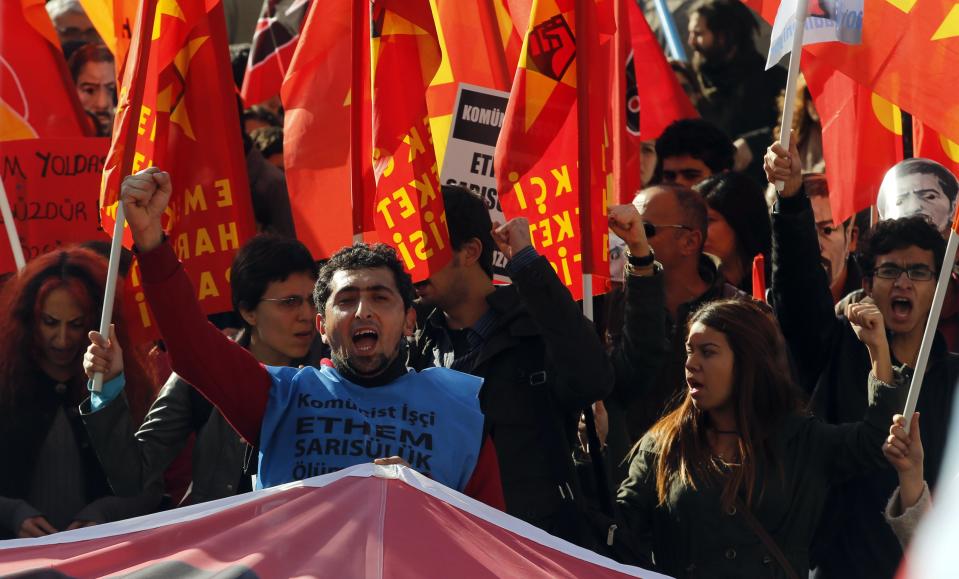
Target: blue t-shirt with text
<point x="317" y="422"/>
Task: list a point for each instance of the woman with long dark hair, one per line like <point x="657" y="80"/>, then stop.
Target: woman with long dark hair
<point x="739" y="227"/>
<point x="732" y="482"/>
<point x="52" y="480"/>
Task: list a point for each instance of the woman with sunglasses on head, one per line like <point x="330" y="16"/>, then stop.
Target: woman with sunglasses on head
<point x="52" y="480"/>
<point x="272" y="280"/>
<point x="733" y="481"/>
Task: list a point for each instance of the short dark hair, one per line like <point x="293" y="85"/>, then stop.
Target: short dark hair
<point x="893" y="234"/>
<point x="269" y="140"/>
<point x="468" y="217"/>
<point x="741" y="201"/>
<point x="264" y="259"/>
<point x="700" y="140"/>
<point x="929" y="167"/>
<point x="731" y="22"/>
<point x="362" y="256"/>
<point x="88" y="53"/>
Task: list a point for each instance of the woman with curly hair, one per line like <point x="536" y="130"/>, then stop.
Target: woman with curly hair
<point x="52" y="480"/>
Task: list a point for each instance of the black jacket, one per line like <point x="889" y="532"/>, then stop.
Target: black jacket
<point x="854" y="540"/>
<point x="542" y="363"/>
<point x="136" y="457"/>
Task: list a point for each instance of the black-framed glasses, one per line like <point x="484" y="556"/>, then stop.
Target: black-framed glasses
<point x="915" y="272"/>
<point x="291" y="302"/>
<point x="650" y="228"/>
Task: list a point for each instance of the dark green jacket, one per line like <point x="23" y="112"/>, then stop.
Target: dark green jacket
<point x="692" y="536"/>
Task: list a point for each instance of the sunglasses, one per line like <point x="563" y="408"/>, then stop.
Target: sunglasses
<point x="291" y="302"/>
<point x="650" y="229"/>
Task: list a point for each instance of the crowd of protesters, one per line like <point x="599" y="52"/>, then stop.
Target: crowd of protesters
<point x="734" y="412"/>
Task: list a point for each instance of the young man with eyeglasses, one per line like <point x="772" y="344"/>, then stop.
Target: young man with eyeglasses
<point x="272" y="281"/>
<point x="667" y="277"/>
<point x="900" y="259"/>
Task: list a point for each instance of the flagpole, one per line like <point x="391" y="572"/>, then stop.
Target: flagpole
<point x="145" y="22"/>
<point x="932" y="324"/>
<point x="360" y="33"/>
<point x="669" y="30"/>
<point x="11" y="228"/>
<point x="583" y="143"/>
<point x="792" y="78"/>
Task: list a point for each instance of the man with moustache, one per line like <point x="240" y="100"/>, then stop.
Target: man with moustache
<point x="739" y="95"/>
<point x="364" y="405"/>
<point x="94" y="74"/>
<point x="901" y="260"/>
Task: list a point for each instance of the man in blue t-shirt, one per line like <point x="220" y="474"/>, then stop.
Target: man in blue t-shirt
<point x="363" y="405"/>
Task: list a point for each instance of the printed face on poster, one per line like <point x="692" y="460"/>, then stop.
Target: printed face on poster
<point x="477" y="119"/>
<point x="53" y="186"/>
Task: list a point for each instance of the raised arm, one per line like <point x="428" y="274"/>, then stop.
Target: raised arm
<point x="638" y="357"/>
<point x="225" y="373"/>
<point x="852" y="449"/>
<point x="800" y="288"/>
<point x="572" y="344"/>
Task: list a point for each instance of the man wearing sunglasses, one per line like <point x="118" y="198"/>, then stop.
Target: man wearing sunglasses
<point x="900" y="259"/>
<point x="662" y="287"/>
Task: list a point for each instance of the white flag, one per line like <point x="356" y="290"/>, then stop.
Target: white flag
<point x="828" y="21"/>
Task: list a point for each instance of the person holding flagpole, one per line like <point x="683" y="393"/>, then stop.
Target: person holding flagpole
<point x="363" y="405"/>
<point x="901" y="259"/>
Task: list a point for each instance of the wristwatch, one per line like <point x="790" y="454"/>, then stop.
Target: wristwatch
<point x="645" y="261"/>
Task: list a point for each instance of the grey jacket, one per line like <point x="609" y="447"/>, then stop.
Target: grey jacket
<point x="137" y="460"/>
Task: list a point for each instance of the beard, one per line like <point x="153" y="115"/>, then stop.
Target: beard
<point x="712" y="56"/>
<point x="370" y="367"/>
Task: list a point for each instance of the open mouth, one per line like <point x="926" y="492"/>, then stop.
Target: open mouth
<point x="365" y="339"/>
<point x="901" y="308"/>
<point x="694" y="387"/>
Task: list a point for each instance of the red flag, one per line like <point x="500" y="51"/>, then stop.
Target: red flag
<point x="37" y="95"/>
<point x="274" y="43"/>
<point x="326" y="95"/>
<point x="543" y="140"/>
<point x="498" y="45"/>
<point x="759" y="278"/>
<point x="408" y="207"/>
<point x="861" y="137"/>
<point x="114" y="21"/>
<point x="210" y="213"/>
<point x="661" y="98"/>
<point x="930" y="144"/>
<point x="908" y="56"/>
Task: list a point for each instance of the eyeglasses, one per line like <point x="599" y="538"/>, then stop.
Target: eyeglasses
<point x="650" y="229"/>
<point x="291" y="302"/>
<point x="915" y="273"/>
